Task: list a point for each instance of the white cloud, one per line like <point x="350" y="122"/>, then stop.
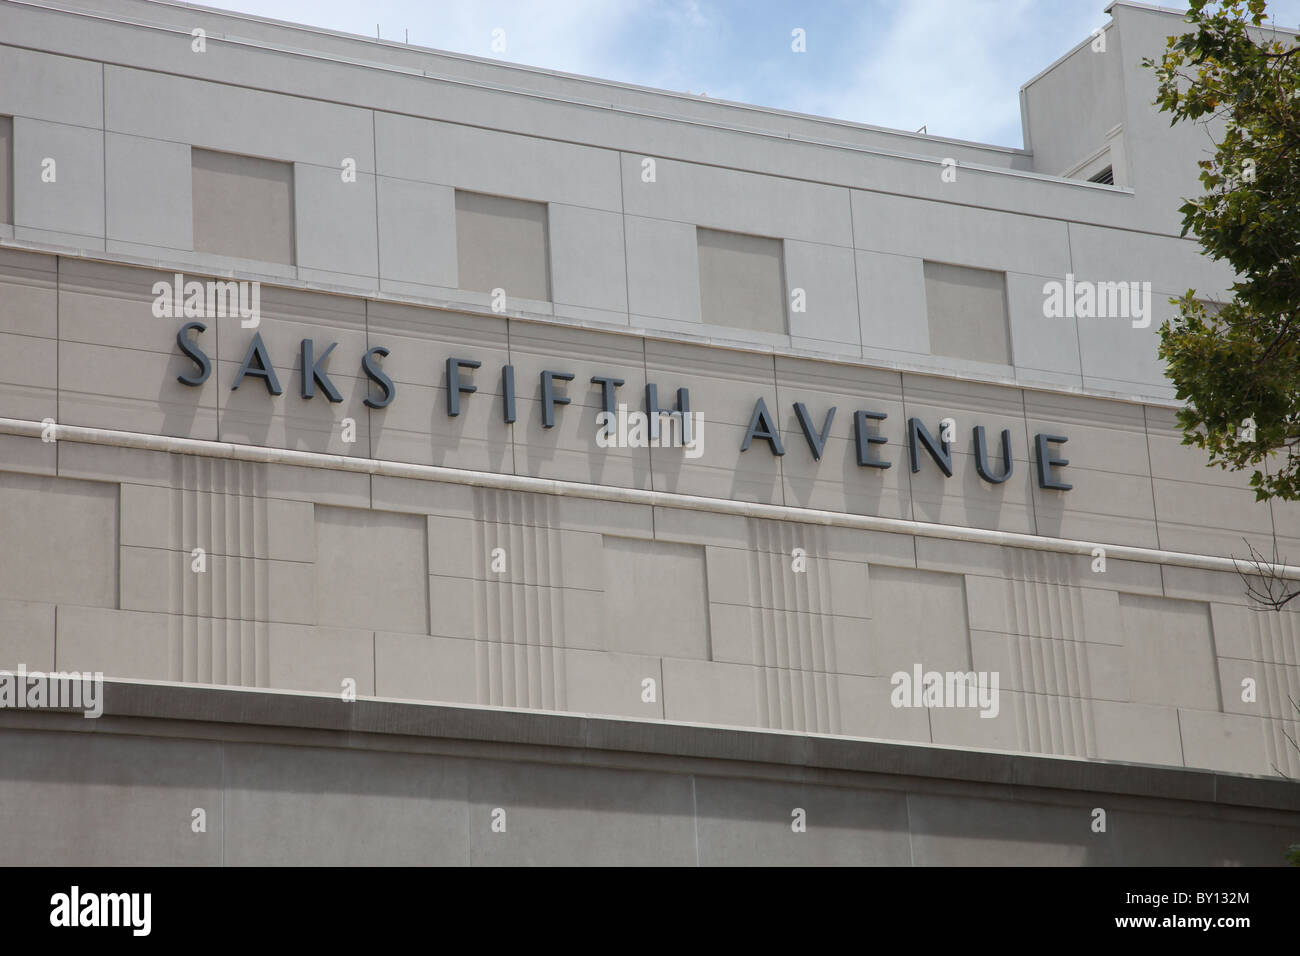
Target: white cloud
<point x="955" y="66"/>
<point x="576" y="36"/>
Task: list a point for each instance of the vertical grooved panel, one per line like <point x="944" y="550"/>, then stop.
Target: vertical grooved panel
<point x="522" y="621"/>
<point x="1048" y="657"/>
<point x="218" y="616"/>
<point x="793" y="652"/>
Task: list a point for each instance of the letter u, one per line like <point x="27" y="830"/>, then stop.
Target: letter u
<point x="982" y="457"/>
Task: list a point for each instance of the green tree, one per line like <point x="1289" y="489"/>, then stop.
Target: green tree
<point x="1238" y="369"/>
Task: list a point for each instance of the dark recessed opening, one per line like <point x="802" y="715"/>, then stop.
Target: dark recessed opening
<point x="1105" y="177"/>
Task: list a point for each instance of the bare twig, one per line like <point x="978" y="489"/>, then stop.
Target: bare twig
<point x="1265" y="586"/>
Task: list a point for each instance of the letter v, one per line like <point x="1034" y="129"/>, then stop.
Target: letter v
<point x="816" y="439"/>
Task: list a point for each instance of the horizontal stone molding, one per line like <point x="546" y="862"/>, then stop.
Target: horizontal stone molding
<point x="663" y="499"/>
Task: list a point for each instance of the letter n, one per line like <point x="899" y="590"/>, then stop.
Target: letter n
<point x="918" y="434"/>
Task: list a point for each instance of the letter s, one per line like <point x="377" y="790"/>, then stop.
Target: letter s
<point x="376" y="375"/>
<point x="191" y="348"/>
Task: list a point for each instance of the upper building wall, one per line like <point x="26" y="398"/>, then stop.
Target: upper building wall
<point x="1089" y="83"/>
<point x="857" y="212"/>
<point x="1095" y="107"/>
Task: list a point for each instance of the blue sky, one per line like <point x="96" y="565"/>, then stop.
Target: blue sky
<point x="954" y="66"/>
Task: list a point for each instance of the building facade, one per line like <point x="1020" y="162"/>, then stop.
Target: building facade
<point x="331" y="373"/>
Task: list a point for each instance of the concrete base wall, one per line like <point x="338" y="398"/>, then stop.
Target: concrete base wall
<point x="296" y="779"/>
